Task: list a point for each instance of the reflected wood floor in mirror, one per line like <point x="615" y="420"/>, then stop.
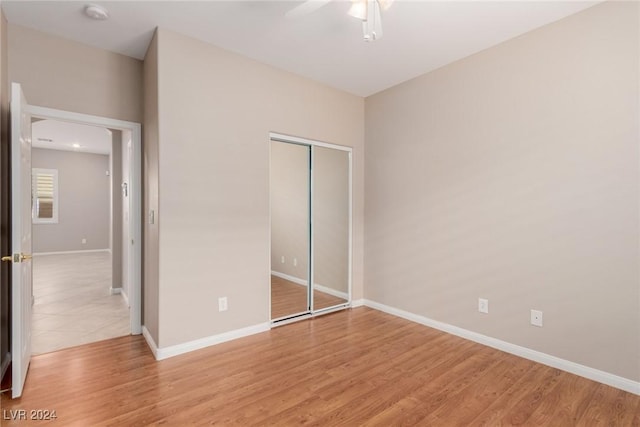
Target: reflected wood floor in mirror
<point x="351" y="368"/>
<point x="289" y="298"/>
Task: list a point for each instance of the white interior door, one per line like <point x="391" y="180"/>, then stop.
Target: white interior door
<point x="21" y="281"/>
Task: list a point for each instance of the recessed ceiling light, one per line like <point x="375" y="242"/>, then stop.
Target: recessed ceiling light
<point x="96" y="12"/>
<point x="76" y="145"/>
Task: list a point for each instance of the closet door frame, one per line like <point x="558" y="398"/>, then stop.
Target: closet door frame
<point x="278" y="137"/>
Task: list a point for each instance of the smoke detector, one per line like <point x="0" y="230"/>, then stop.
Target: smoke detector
<point x="96" y="12"/>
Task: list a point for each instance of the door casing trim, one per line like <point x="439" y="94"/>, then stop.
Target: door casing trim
<point x="135" y="202"/>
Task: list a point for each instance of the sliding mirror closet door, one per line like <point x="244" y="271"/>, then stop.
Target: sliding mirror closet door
<point x="331" y="214"/>
<point x="290" y="229"/>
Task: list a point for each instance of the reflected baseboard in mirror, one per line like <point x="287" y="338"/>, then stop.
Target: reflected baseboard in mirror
<point x="288" y="298"/>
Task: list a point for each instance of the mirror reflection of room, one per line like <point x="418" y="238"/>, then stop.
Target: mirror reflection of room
<point x="290" y="183"/>
<point x="330" y="227"/>
<point x="305" y="227"/>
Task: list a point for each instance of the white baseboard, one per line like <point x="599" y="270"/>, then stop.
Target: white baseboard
<point x="121" y="292"/>
<point x="125" y="297"/>
<point x="357" y="303"/>
<point x="527" y="353"/>
<point x="70" y="252"/>
<point x="327" y="290"/>
<point x="150" y="342"/>
<point x="317" y="287"/>
<point x="289" y="278"/>
<point x="175" y="350"/>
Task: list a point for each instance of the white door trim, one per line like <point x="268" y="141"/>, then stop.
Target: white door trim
<point x="273" y="136"/>
<point x="135" y="202"/>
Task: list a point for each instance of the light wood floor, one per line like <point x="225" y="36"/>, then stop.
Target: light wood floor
<point x="354" y="367"/>
<point x="290" y="298"/>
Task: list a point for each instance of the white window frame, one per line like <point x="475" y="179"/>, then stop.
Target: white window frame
<point x="56" y="196"/>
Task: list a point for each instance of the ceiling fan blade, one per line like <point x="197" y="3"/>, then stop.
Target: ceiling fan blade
<point x="306" y="8"/>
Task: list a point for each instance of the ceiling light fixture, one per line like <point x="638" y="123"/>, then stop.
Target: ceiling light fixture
<point x="96" y="12"/>
<point x="368" y="11"/>
<point x="76" y="145"/>
<point x="358" y="9"/>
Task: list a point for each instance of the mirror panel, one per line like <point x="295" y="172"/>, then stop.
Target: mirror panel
<point x="330" y="227"/>
<point x="290" y="230"/>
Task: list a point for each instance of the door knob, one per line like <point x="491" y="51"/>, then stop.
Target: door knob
<point x="17" y="258"/>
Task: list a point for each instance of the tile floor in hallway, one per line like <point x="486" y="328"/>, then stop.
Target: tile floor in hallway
<point x="73" y="303"/>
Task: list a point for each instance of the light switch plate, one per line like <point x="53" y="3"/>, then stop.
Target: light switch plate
<point x="483" y="305"/>
<point x="222" y="304"/>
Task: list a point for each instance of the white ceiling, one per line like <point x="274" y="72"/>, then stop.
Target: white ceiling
<point x="327" y="45"/>
<point x="56" y="135"/>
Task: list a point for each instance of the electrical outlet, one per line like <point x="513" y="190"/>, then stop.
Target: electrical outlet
<point x="222" y="304"/>
<point x="536" y="318"/>
<point x="483" y="305"/>
<point x="295" y="262"/>
<point x="84" y="241"/>
<point x="282" y="259"/>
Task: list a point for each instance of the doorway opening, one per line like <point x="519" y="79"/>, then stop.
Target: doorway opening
<point x="104" y="276"/>
<point x="80" y="216"/>
<point x="24" y="209"/>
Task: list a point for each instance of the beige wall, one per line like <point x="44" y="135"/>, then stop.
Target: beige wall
<point x="513" y="175"/>
<point x="289" y="186"/>
<point x="83" y="205"/>
<point x="67" y="75"/>
<point x="216" y="110"/>
<point x="150" y="235"/>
